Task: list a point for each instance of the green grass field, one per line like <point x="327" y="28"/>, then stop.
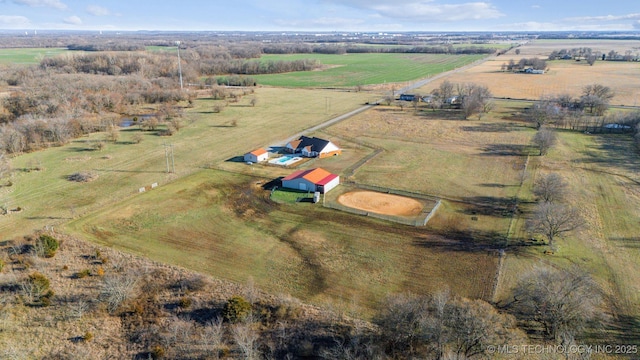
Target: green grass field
<point x="208" y="138"/>
<point x="364" y="69"/>
<point x="221" y="223"/>
<point x="28" y="56"/>
<point x="153" y="48"/>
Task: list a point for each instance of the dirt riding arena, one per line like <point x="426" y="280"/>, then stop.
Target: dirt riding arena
<point x="381" y="203"/>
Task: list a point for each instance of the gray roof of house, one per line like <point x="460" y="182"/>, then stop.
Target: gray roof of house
<point x="315" y="143"/>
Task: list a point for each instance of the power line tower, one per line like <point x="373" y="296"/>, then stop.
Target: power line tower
<point x="168" y="153"/>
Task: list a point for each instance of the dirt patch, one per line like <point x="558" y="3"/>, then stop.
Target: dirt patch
<point x="380" y="203"/>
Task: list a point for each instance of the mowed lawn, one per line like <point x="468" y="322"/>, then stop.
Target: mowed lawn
<point x="364" y="69"/>
<point x="208" y="138"/>
<point x="220" y="223"/>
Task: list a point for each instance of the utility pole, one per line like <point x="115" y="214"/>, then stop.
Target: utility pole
<point x="179" y="64"/>
<point x="168" y="153"/>
<point x="173" y="164"/>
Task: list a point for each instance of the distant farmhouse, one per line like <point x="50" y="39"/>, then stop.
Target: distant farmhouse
<point x="317" y="179"/>
<point x="256" y="156"/>
<point x="312" y="147"/>
<point x="533" y="71"/>
<point x="407" y="97"/>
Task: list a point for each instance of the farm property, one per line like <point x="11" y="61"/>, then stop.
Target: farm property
<point x="214" y="214"/>
<point x="563" y="76"/>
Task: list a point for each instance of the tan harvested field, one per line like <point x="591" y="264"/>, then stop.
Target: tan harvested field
<point x="563" y="77"/>
<point x="381" y="203"/>
<point x="545" y="46"/>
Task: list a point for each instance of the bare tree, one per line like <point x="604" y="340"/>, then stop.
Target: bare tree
<point x="550" y="188"/>
<point x="402" y="322"/>
<point x="212" y="336"/>
<point x="543" y="112"/>
<point x="137" y="138"/>
<point x="473" y="325"/>
<point x="552" y="220"/>
<point x="246" y="336"/>
<point x="596" y="98"/>
<point x="117" y="289"/>
<point x="389" y="99"/>
<point x="544" y="139"/>
<point x="562" y="302"/>
<point x="5" y="165"/>
<point x="439" y="325"/>
<point x="150" y="123"/>
<point x="445" y="90"/>
<point x="476" y="99"/>
<point x="113" y="134"/>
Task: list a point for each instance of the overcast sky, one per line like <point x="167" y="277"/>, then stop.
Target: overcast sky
<point x="321" y="15"/>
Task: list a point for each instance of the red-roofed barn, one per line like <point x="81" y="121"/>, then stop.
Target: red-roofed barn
<point x="317" y="179"/>
<point x="256" y="155"/>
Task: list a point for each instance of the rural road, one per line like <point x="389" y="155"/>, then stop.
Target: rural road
<point x="415" y="85"/>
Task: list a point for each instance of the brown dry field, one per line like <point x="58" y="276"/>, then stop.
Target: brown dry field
<point x="380" y="203"/>
<point x="439" y="154"/>
<point x="563" y="77"/>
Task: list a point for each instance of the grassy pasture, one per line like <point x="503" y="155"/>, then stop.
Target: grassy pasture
<point x="28" y="56"/>
<point x="364" y="69"/>
<point x="602" y="174"/>
<point x="206" y="223"/>
<point x="48" y="198"/>
<point x="430" y="154"/>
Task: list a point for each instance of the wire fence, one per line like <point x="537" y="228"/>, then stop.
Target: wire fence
<point x="431" y="204"/>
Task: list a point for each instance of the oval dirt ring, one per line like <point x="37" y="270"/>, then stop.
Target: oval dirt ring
<point x="381" y="203"/>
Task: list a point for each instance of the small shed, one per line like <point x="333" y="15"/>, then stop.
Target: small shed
<point x="256" y="156"/>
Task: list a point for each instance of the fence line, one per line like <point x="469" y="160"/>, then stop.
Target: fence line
<point x="388" y="190"/>
<point x="419" y="220"/>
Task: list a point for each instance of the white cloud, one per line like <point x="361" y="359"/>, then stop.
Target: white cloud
<point x="73" y="20"/>
<point x="426" y="10"/>
<point x="635" y="16"/>
<point x="536" y="6"/>
<point x="563" y="26"/>
<point x="636" y="25"/>
<point x="324" y="22"/>
<point x="421" y="11"/>
<point x="56" y="4"/>
<point x="13" y="21"/>
<point x="98" y="10"/>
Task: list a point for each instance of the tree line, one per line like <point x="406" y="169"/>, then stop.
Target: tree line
<point x="533" y="63"/>
<point x="585" y="53"/>
<point x="303" y="48"/>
